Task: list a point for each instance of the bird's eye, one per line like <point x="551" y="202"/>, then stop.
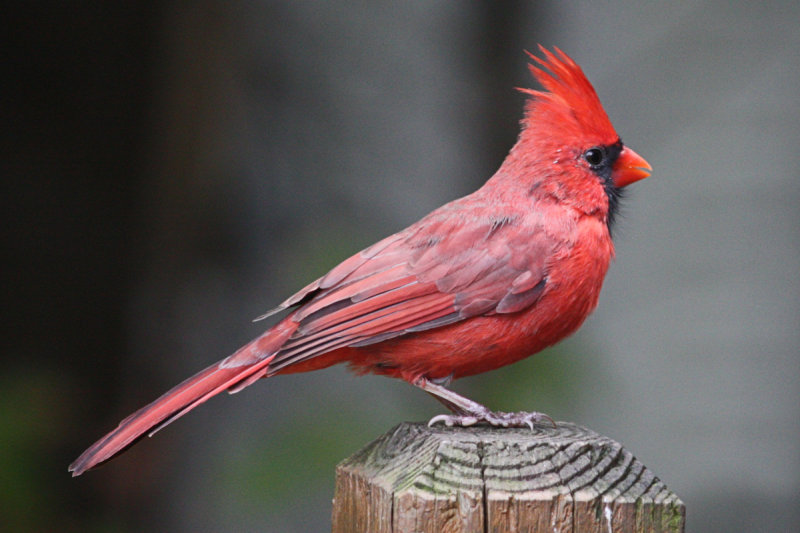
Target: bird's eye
<point x="594" y="156"/>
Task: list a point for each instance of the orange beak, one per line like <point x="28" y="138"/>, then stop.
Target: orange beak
<point x="629" y="167"/>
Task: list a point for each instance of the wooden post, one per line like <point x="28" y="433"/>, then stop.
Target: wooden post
<point x="421" y="479"/>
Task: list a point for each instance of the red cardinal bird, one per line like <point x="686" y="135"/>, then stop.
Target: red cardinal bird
<point x="479" y="283"/>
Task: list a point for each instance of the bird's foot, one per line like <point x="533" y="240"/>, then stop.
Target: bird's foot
<point x="468" y="413"/>
<point x="493" y="418"/>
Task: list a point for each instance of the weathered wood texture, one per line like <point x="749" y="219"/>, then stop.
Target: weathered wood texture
<point x="482" y="479"/>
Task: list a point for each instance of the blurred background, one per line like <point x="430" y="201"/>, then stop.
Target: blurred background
<point x="173" y="169"/>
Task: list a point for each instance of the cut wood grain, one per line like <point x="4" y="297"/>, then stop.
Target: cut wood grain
<point x="417" y="478"/>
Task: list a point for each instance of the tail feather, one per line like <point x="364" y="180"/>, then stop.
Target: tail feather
<point x="247" y="365"/>
<point x="169" y="407"/>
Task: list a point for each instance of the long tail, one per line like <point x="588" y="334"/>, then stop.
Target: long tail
<point x="241" y="369"/>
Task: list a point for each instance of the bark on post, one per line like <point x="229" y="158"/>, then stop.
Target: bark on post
<point x="481" y="479"/>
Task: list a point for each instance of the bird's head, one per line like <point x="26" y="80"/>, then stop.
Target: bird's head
<point x="568" y="145"/>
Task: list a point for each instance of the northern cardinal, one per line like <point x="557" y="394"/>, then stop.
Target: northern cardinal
<point x="479" y="283"/>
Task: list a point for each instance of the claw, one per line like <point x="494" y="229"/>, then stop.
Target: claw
<point x="440" y="418"/>
<point x="454" y="420"/>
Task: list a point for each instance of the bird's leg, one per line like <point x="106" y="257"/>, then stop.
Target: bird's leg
<point x="467" y="412"/>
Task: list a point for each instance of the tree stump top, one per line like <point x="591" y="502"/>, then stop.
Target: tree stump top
<point x="568" y="478"/>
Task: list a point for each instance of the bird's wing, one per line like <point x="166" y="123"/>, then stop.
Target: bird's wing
<point x="448" y="267"/>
